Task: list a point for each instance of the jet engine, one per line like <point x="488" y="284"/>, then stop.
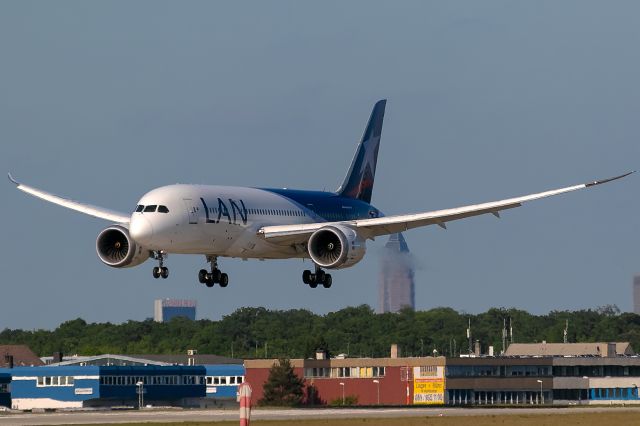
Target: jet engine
<point x="116" y="248"/>
<point x="336" y="247"/>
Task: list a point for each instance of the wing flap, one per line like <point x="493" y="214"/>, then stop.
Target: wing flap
<point x="91" y="210"/>
<point x="370" y="228"/>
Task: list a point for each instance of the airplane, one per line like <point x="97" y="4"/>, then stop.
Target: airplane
<point x="330" y="228"/>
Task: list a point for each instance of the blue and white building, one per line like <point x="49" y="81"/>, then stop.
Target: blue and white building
<point x="222" y="380"/>
<point x="165" y="309"/>
<point x="113" y="380"/>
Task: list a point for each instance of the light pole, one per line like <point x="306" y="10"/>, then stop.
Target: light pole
<point x="140" y="385"/>
<point x="541" y="395"/>
<point x="377" y="382"/>
<point x="342" y="386"/>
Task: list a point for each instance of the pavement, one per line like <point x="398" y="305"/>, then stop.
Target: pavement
<point x="178" y="416"/>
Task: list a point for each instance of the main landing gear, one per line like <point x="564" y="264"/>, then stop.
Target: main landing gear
<point x="319" y="277"/>
<point x="215" y="276"/>
<point x="160" y="270"/>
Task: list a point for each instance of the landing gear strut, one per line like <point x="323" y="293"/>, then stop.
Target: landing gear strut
<point x="215" y="276"/>
<point x="319" y="277"/>
<point x="160" y="270"/>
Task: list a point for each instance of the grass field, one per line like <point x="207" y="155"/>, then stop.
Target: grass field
<point x="582" y="419"/>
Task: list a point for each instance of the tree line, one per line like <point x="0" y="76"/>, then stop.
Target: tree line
<point x="355" y="331"/>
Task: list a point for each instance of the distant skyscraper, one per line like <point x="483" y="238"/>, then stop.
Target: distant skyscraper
<point x="636" y="294"/>
<point x="165" y="309"/>
<point x="396" y="287"/>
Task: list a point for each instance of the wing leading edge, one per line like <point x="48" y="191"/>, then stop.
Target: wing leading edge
<point x="88" y="209"/>
<point x="370" y="228"/>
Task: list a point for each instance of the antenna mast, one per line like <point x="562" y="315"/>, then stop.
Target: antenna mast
<point x="469" y="337"/>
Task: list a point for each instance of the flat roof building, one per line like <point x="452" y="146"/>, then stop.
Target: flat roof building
<point x="165" y="309"/>
<point x="569" y="349"/>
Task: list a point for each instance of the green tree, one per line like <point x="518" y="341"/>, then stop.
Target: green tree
<point x="283" y="387"/>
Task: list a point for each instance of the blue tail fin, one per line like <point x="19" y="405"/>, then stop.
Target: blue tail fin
<point x="359" y="180"/>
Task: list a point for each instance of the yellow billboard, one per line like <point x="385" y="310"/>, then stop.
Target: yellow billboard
<point x="428" y="385"/>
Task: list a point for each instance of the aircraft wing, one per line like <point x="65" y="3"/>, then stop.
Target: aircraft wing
<point x="370" y="228"/>
<point x="89" y="209"/>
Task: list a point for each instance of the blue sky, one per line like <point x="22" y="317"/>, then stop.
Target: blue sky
<point x="103" y="101"/>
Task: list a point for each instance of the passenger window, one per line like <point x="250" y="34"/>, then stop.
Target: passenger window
<point x="150" y="209"/>
<point x="139" y="208"/>
<point x="163" y="209"/>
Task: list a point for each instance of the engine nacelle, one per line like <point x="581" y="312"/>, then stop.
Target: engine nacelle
<point x="336" y="247"/>
<point x="117" y="249"/>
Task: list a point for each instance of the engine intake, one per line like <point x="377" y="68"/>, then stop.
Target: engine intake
<point x="116" y="248"/>
<point x="336" y="247"/>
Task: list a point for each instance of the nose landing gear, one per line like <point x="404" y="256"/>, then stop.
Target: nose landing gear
<point x="215" y="276"/>
<point x="319" y="277"/>
<point x="160" y="270"/>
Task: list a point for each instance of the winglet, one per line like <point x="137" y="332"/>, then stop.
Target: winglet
<point x="12" y="179"/>
<point x="599" y="182"/>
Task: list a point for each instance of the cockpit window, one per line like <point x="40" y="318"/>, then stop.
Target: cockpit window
<point x="139" y="208"/>
<point x="151" y="208"/>
<point x="163" y="209"/>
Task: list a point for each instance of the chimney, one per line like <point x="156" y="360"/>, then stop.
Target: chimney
<point x="477" y="348"/>
<point x="8" y="359"/>
<point x="321" y="354"/>
<point x="490" y="350"/>
<point x="611" y="349"/>
<point x="57" y="357"/>
<point x="395" y="351"/>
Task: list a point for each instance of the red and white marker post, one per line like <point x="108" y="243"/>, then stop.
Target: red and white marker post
<point x="244" y="397"/>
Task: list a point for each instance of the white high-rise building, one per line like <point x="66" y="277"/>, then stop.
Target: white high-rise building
<point x="636" y="294"/>
<point x="396" y="286"/>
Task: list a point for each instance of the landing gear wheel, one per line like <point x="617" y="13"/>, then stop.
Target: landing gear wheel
<point x="215" y="276"/>
<point x="160" y="270"/>
<point x="224" y="280"/>
<point x="319" y="277"/>
<point x="327" y="281"/>
<point x="164" y="272"/>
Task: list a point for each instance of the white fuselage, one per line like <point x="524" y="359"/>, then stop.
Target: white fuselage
<point x="216" y="220"/>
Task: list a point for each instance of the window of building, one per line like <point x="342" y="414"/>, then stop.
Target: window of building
<point x="54" y="381"/>
<point x="428" y="371"/>
<point x="378" y="371"/>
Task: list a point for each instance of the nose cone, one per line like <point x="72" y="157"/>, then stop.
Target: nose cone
<point x="140" y="229"/>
